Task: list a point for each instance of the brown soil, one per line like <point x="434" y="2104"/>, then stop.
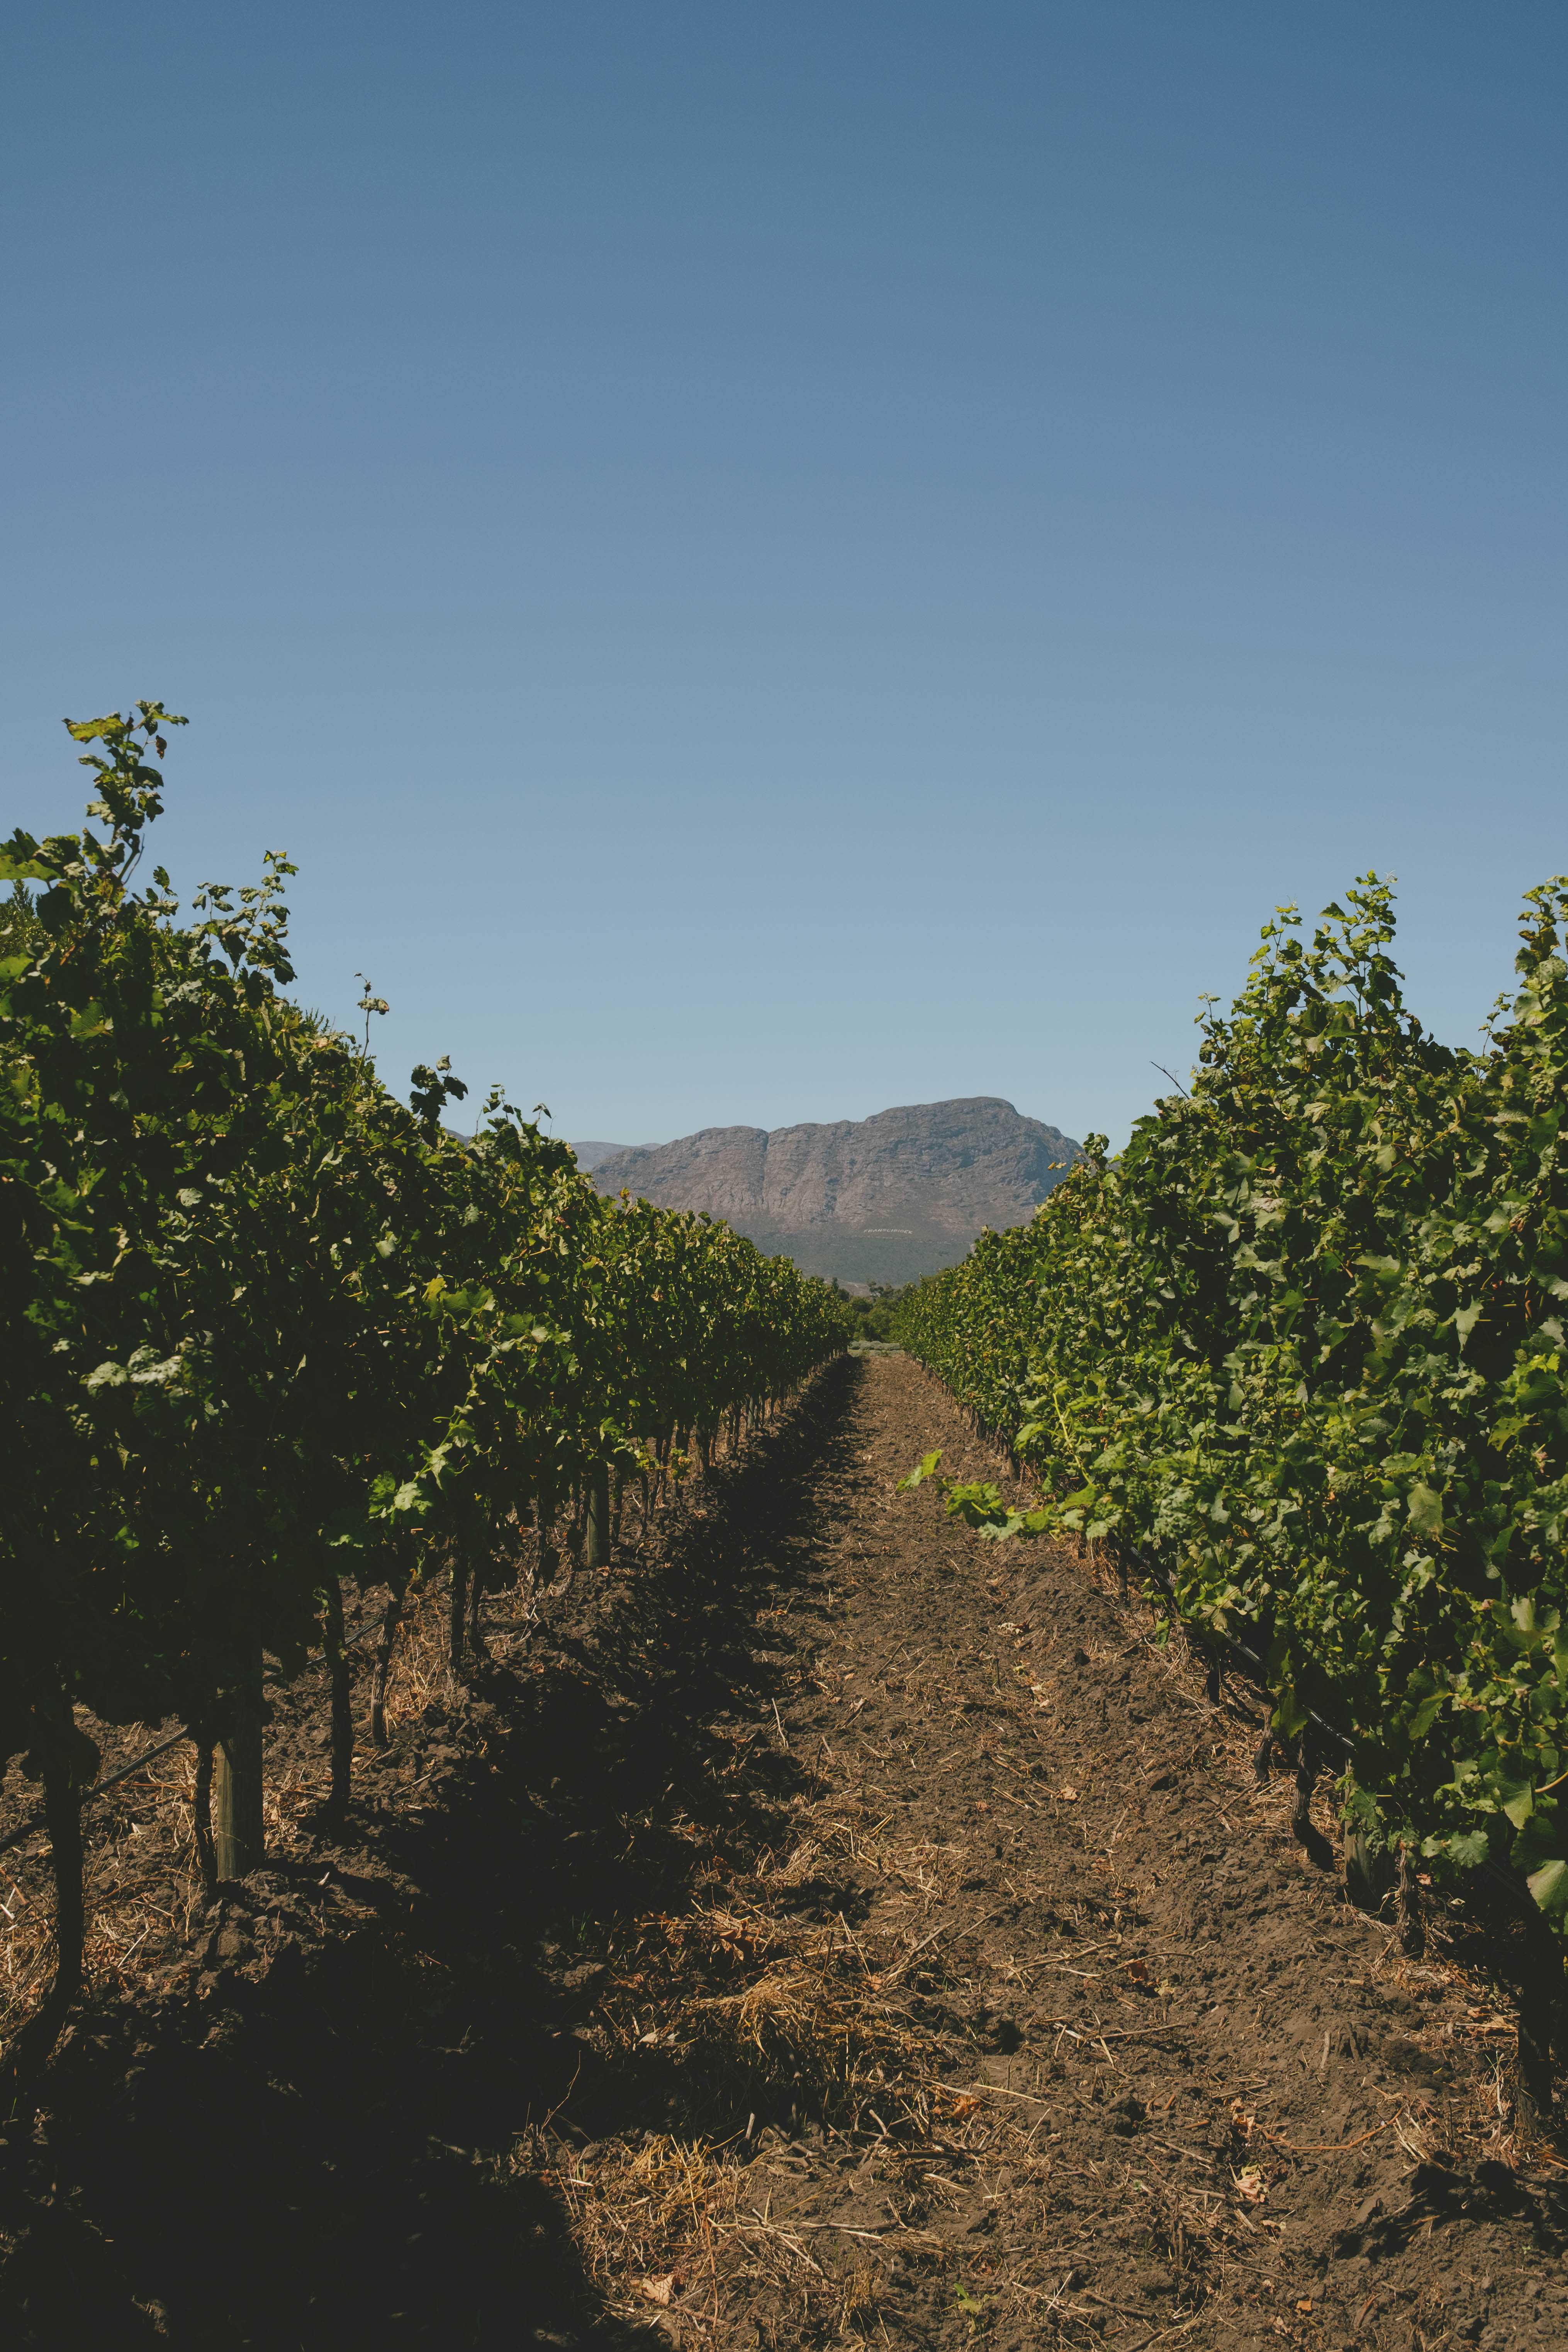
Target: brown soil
<point x="829" y="1928"/>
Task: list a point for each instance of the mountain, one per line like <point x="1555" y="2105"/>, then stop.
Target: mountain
<point x="870" y="1200"/>
<point x="589" y="1155"/>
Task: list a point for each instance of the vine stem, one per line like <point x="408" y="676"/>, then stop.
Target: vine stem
<point x="31" y="2049"/>
<point x="382" y="1668"/>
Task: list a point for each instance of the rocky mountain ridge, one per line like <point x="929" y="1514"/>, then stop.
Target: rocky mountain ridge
<point x="880" y="1200"/>
<point x="588" y="1154"/>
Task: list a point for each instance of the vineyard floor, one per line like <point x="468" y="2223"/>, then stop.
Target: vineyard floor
<point x="826" y="1928"/>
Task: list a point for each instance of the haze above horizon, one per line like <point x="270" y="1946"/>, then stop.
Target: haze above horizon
<point x="767" y="564"/>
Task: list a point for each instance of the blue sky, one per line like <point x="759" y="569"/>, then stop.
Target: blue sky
<point x="767" y="562"/>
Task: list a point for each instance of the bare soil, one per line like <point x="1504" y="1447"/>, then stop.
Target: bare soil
<point x="826" y="1928"/>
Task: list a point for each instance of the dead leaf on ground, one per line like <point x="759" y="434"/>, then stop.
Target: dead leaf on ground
<point x="657" y="2290"/>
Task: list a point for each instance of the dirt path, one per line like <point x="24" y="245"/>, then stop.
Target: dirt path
<point x="1213" y="2088"/>
<point x="827" y="1929"/>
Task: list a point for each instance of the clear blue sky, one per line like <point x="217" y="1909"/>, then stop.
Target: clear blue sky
<point x="771" y="561"/>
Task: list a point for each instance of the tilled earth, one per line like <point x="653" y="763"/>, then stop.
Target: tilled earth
<point x="827" y="1928"/>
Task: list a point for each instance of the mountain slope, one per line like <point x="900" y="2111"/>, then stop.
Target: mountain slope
<point x="876" y="1200"/>
<point x="589" y="1155"/>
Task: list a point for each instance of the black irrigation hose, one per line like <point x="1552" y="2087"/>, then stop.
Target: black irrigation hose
<point x="35" y="1821"/>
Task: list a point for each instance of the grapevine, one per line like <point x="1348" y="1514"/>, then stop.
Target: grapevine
<point x="265" y="1329"/>
<point x="1301" y="1347"/>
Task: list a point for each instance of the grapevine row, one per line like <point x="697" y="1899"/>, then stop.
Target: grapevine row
<point x="1301" y="1346"/>
<point x="266" y="1331"/>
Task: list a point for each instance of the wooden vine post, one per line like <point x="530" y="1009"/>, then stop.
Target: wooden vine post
<point x="237" y="1776"/>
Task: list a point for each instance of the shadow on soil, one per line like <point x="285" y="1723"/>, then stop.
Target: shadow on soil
<point x="327" y="2158"/>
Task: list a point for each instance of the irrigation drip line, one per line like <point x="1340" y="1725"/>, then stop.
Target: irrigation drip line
<point x="36" y="1821"/>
